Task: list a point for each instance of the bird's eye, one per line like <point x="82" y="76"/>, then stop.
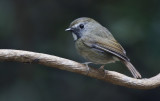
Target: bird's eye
<point x="81" y="26"/>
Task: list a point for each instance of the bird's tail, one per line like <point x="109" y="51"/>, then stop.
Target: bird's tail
<point x="132" y="69"/>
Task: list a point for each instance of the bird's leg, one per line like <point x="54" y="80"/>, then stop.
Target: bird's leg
<point x="101" y="69"/>
<point x="86" y="64"/>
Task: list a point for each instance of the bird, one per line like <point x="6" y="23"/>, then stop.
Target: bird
<point x="96" y="44"/>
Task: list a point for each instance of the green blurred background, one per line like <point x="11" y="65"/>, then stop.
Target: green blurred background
<point x="38" y="25"/>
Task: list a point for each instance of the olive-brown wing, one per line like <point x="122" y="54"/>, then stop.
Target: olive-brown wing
<point x="106" y="45"/>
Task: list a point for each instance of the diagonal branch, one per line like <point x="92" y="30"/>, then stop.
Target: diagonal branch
<point x="72" y="66"/>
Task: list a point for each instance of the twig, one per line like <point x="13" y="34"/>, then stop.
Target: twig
<point x="72" y="66"/>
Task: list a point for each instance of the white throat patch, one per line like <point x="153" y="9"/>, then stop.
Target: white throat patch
<point x="74" y="37"/>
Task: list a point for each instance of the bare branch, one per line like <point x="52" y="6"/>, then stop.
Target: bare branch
<point x="72" y="66"/>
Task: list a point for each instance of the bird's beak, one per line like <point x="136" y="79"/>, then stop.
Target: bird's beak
<point x="69" y="29"/>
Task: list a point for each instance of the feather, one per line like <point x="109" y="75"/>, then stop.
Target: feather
<point x="107" y="45"/>
<point x="132" y="69"/>
<point x="113" y="47"/>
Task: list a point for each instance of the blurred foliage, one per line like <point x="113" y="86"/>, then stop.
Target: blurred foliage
<point x="38" y="25"/>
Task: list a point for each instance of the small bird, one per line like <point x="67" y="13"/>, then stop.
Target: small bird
<point x="96" y="44"/>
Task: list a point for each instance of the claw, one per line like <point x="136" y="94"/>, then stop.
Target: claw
<point x="86" y="64"/>
<point x="102" y="70"/>
<point x="102" y="67"/>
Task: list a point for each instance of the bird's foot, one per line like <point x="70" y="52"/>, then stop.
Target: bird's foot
<point x="102" y="70"/>
<point x="86" y="64"/>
